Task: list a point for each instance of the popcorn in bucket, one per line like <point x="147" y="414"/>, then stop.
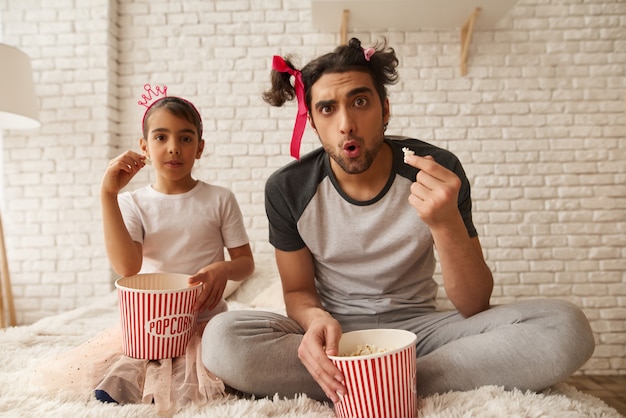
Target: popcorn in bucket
<point x="379" y="368"/>
<point x="157" y="315"/>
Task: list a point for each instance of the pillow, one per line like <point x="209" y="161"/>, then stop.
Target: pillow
<point x="231" y="286"/>
<point x="270" y="298"/>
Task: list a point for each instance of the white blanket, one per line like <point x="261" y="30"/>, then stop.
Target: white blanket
<point x="21" y="347"/>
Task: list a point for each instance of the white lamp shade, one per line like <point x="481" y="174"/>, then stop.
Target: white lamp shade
<point x="18" y="103"/>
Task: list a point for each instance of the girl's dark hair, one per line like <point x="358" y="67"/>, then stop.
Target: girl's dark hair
<point x="381" y="66"/>
<point x="178" y="107"/>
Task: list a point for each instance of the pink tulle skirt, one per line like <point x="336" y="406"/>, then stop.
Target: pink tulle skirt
<point x="99" y="363"/>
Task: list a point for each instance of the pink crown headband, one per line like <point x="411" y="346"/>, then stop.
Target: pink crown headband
<point x="152" y="96"/>
<point x="280" y="65"/>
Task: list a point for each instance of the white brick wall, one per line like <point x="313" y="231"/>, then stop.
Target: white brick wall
<point x="538" y="123"/>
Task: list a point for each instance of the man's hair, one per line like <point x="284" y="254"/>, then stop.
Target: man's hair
<point x="351" y="57"/>
<point x="178" y="107"/>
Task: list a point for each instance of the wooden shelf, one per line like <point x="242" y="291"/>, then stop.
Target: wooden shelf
<point x="406" y="15"/>
<point x="409" y="15"/>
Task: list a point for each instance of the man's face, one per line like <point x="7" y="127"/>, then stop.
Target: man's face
<point x="349" y="119"/>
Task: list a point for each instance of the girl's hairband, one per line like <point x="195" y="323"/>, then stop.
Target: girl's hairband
<point x="279" y="64"/>
<point x="152" y="96"/>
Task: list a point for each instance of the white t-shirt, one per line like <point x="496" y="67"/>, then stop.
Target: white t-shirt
<point x="181" y="233"/>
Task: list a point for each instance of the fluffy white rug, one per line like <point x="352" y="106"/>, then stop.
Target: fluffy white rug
<point x="20" y="347"/>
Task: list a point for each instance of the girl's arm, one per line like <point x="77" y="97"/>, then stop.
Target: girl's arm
<point x="215" y="276"/>
<point x="241" y="263"/>
<point x="125" y="255"/>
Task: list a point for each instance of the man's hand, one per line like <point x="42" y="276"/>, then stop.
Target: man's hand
<point x="434" y="194"/>
<point x="320" y="341"/>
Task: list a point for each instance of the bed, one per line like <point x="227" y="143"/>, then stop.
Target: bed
<point x="22" y="346"/>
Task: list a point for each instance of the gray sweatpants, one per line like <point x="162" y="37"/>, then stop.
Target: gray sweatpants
<point x="528" y="345"/>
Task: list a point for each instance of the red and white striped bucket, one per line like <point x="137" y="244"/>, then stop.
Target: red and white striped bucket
<point x="157" y="314"/>
<point x="382" y="384"/>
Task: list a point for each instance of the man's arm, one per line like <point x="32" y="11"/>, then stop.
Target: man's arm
<point x="297" y="275"/>
<point x="322" y="331"/>
<point x="467" y="278"/>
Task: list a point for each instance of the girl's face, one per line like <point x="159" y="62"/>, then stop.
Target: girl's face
<point x="173" y="145"/>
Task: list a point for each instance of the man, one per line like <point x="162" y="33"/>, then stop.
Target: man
<point x="354" y="225"/>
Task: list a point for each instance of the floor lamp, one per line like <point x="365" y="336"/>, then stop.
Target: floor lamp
<point x="18" y="110"/>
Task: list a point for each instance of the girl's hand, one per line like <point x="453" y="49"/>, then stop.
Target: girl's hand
<point x="121" y="170"/>
<point x="213" y="278"/>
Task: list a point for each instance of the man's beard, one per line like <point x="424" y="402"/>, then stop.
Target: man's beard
<point x="355" y="166"/>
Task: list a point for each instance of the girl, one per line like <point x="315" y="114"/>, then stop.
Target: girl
<point x="177" y="225"/>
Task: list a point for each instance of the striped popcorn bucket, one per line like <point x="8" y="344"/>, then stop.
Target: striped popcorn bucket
<point x="379" y="369"/>
<point x="157" y="315"/>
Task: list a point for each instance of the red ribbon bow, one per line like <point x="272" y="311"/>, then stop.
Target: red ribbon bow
<point x="280" y="65"/>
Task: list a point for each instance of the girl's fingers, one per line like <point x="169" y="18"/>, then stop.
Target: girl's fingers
<point x="129" y="160"/>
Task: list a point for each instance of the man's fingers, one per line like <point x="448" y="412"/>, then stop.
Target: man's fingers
<point x="418" y="161"/>
<point x="332" y="345"/>
<point x="428" y="165"/>
<point x="323" y="371"/>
